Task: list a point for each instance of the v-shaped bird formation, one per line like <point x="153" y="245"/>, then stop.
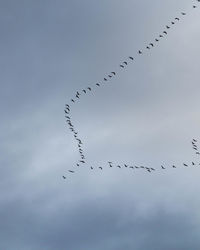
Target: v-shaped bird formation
<point x="105" y="80"/>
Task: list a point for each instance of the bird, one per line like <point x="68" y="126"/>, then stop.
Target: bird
<point x="98" y="84"/>
<point x="172" y="22"/>
<point x="193" y="163"/>
<point x="165" y="32"/>
<point x="131" y="58"/>
<point x="84" y="91"/>
<point x="153" y="169"/>
<point x="89" y="88"/>
<point x="105" y="79"/>
<point x="125" y="63"/>
<point x="176" y="18"/>
<point x="194" y="6"/>
<point x="64" y="177"/>
<point x="113" y="73"/>
<point x="197" y="153"/>
<point x="167" y="27"/>
<point x="136" y="167"/>
<point x="162" y="167"/>
<point x="71" y="171"/>
<point x="174" y="166"/>
<point x="91" y="167"/>
<point x="151" y="44"/>
<point x="110" y="76"/>
<point x="122" y="66"/>
<point x="156" y="40"/>
<point x="194" y="140"/>
<point x="183" y="13"/>
<point x="147" y="47"/>
<point x="72" y="100"/>
<point x="82" y="161"/>
<point x="101" y="168"/>
<point x="140" y="52"/>
<point x="77" y="96"/>
<point x="125" y="165"/>
<point x="66" y="112"/>
<point x="142" y="167"/>
<point x="77" y="93"/>
<point x="160" y="35"/>
<point x="185" y="165"/>
<point x="77" y="165"/>
<point x="118" y="166"/>
<point x="131" y="167"/>
<point x="148" y="170"/>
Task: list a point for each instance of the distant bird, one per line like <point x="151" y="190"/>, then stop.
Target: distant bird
<point x="174" y="166"/>
<point x="194" y="6"/>
<point x="160" y="35"/>
<point x="183" y="13"/>
<point x="122" y="66"/>
<point x="131" y="167"/>
<point x="198" y="153"/>
<point x="77" y="165"/>
<point x="110" y="76"/>
<point x="153" y="169"/>
<point x="109" y="162"/>
<point x="140" y="52"/>
<point x="82" y="161"/>
<point x="64" y="177"/>
<point x="151" y="44"/>
<point x="142" y="167"/>
<point x="194" y="140"/>
<point x="72" y="100"/>
<point x="118" y="166"/>
<point x="113" y="73"/>
<point x="131" y="58"/>
<point x="156" y="40"/>
<point x="71" y="171"/>
<point x="147" y="47"/>
<point x="84" y="91"/>
<point x="149" y="170"/>
<point x="89" y="88"/>
<point x="125" y="165"/>
<point x="167" y="27"/>
<point x="185" y="165"/>
<point x="91" y="167"/>
<point x="176" y="18"/>
<point x="162" y="167"/>
<point x="77" y="93"/>
<point x="193" y="163"/>
<point x="77" y="96"/>
<point x="101" y="168"/>
<point x="172" y="22"/>
<point x="98" y="84"/>
<point x="136" y="167"/>
<point x="105" y="79"/>
<point x="165" y="32"/>
<point x="125" y="63"/>
<point x="66" y="112"/>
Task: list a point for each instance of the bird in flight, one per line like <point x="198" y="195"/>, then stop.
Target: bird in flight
<point x="125" y="63"/>
<point x="162" y="167"/>
<point x="89" y="88"/>
<point x="101" y="168"/>
<point x="177" y="18"/>
<point x="183" y="13"/>
<point x="71" y="171"/>
<point x="113" y="73"/>
<point x="131" y="58"/>
<point x="122" y="66"/>
<point x="167" y="27"/>
<point x="64" y="177"/>
<point x="185" y="165"/>
<point x="98" y="84"/>
<point x="165" y="32"/>
<point x="105" y="79"/>
<point x="140" y="52"/>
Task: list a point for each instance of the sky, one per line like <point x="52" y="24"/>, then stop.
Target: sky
<point x="146" y="115"/>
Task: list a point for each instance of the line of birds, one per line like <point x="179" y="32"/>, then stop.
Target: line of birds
<point x="148" y="169"/>
<point x="106" y="79"/>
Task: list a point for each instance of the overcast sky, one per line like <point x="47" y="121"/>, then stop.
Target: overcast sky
<point x="146" y="115"/>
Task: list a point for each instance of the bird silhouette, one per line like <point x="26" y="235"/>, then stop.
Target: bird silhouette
<point x="72" y="100"/>
<point x="84" y="91"/>
<point x="165" y="32"/>
<point x="156" y="40"/>
<point x="162" y="167"/>
<point x="185" y="165"/>
<point x="167" y="27"/>
<point x="105" y="79"/>
<point x="82" y="161"/>
<point x="131" y="58"/>
<point x="118" y="166"/>
<point x="101" y="168"/>
<point x="151" y="44"/>
<point x="193" y="163"/>
<point x="91" y="167"/>
<point x="176" y="18"/>
<point x="125" y="165"/>
<point x="113" y="73"/>
<point x="71" y="171"/>
<point x="125" y="63"/>
<point x="77" y="96"/>
<point x="147" y="47"/>
<point x="140" y="52"/>
<point x="122" y="66"/>
<point x="98" y="84"/>
<point x="194" y="6"/>
<point x="173" y="23"/>
<point x="64" y="177"/>
<point x="183" y="13"/>
<point x="89" y="88"/>
<point x="160" y="35"/>
<point x="173" y="166"/>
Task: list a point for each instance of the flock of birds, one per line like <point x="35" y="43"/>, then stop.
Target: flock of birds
<point x="106" y="79"/>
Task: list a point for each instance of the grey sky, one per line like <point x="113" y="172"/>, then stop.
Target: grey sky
<point x="147" y="115"/>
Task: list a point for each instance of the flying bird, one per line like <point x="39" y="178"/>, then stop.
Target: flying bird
<point x="185" y="165"/>
<point x="89" y="88"/>
<point x="131" y="58"/>
<point x="82" y="161"/>
<point x="84" y="91"/>
<point x="72" y="100"/>
<point x="147" y="47"/>
<point x="177" y="18"/>
<point x="162" y="167"/>
<point x="140" y="52"/>
<point x="118" y="166"/>
<point x="183" y="13"/>
<point x="125" y="63"/>
<point x="71" y="171"/>
<point x="64" y="177"/>
<point x="113" y="73"/>
<point x="151" y="44"/>
<point x="122" y="66"/>
<point x="167" y="27"/>
<point x="174" y="166"/>
<point x="98" y="84"/>
<point x="172" y="22"/>
<point x="156" y="40"/>
<point x="165" y="32"/>
<point x="105" y="79"/>
<point x="160" y="35"/>
<point x="101" y="168"/>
